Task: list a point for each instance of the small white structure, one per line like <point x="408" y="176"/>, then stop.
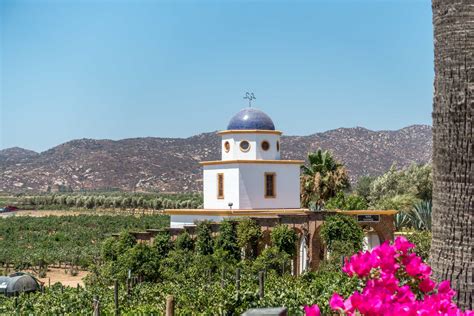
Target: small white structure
<point x="250" y="175"/>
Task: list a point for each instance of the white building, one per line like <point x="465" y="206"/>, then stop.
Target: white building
<point x="250" y="175"/>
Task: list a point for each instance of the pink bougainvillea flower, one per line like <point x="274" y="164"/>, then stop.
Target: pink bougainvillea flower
<point x="415" y="267"/>
<point x="404" y="295"/>
<point x="312" y="310"/>
<point x="444" y="288"/>
<point x="360" y="264"/>
<point x="427" y="285"/>
<point x="336" y="302"/>
<point x="402" y="244"/>
<point x="390" y="275"/>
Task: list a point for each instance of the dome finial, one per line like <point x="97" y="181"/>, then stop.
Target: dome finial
<point x="250" y="97"/>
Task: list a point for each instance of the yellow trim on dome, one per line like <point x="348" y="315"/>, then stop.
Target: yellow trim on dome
<point x="277" y="162"/>
<point x="249" y="131"/>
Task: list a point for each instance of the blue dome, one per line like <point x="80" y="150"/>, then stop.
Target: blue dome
<point x="251" y="118"/>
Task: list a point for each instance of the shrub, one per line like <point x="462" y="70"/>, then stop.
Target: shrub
<point x="284" y="239"/>
<point x="108" y="250"/>
<point x="125" y="241"/>
<point x="272" y="258"/>
<point x="340" y="250"/>
<point x="248" y="235"/>
<point x="422" y="241"/>
<point x="342" y="228"/>
<point x="162" y="244"/>
<point x="204" y="238"/>
<point x="142" y="260"/>
<point x="184" y="242"/>
<point x="227" y="239"/>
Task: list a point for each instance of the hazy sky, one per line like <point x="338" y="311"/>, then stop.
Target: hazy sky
<point x="119" y="69"/>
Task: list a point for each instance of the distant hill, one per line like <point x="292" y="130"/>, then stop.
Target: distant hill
<point x="171" y="164"/>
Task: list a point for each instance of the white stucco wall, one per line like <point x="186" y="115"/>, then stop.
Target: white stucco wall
<point x="231" y="186"/>
<point x="244" y="186"/>
<point x="255" y="151"/>
<point x="178" y="221"/>
<point x="252" y="186"/>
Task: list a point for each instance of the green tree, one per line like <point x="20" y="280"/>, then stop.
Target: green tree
<point x="248" y="236"/>
<point x="125" y="241"/>
<point x="346" y="202"/>
<point x="227" y="239"/>
<point x="284" y="239"/>
<point x="339" y="251"/>
<point x="362" y="187"/>
<point x="204" y="238"/>
<point x="401" y="202"/>
<point x="142" y="260"/>
<point x="413" y="183"/>
<point x="184" y="242"/>
<point x="342" y="228"/>
<point x="109" y="249"/>
<point x="272" y="258"/>
<point x="162" y="244"/>
<point x="322" y="178"/>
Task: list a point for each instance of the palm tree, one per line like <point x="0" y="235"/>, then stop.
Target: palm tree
<point x="453" y="143"/>
<point x="322" y="178"/>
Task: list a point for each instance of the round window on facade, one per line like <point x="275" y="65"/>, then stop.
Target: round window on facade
<point x="227" y="147"/>
<point x="244" y="146"/>
<point x="278" y="145"/>
<point x="265" y="145"/>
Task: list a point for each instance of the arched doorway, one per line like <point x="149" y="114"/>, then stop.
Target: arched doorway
<point x="371" y="239"/>
<point x="303" y="255"/>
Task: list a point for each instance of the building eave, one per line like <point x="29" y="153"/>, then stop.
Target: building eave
<point x="237" y="213"/>
<point x="270" y="212"/>
<point x="256" y="161"/>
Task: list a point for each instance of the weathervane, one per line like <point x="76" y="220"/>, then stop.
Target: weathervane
<point x="249" y="96"/>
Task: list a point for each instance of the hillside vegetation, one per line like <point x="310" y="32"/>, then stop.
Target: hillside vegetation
<point x="172" y="164"/>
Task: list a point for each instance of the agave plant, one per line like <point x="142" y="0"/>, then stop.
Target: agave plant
<point x="402" y="220"/>
<point x="421" y="215"/>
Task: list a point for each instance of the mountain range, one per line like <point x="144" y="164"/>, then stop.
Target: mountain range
<point x="172" y="164"/>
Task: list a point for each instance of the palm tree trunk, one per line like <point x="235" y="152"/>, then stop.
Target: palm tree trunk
<point x="453" y="147"/>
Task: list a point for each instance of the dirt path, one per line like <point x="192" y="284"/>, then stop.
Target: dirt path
<point x="58" y="275"/>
